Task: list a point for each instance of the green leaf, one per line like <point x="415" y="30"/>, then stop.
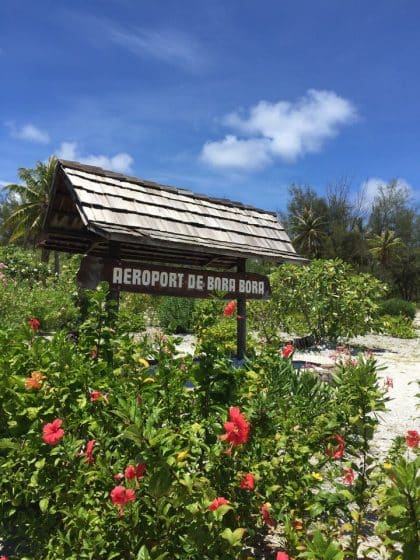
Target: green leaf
<point x="143" y="554"/>
<point x="7" y="444"/>
<point x="40" y="464"/>
<point x="221" y="511"/>
<point x="133" y="433"/>
<point x="43" y="504"/>
<point x="233" y="537"/>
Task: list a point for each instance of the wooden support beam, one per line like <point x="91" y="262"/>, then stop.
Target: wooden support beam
<point x="114" y="293"/>
<point x="241" y="317"/>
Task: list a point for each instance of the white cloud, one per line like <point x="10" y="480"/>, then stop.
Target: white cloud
<point x="67" y="150"/>
<point x="245" y="154"/>
<point x="284" y="130"/>
<point x="121" y="162"/>
<point x="165" y="44"/>
<point x="28" y="132"/>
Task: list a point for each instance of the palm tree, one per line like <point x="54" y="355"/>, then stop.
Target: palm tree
<point x="385" y="248"/>
<point x="25" y="221"/>
<point x="309" y="231"/>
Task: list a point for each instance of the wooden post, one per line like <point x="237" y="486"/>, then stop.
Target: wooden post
<point x="241" y="317"/>
<point x="114" y="293"/>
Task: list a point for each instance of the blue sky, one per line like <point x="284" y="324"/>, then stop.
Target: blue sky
<point x="233" y="98"/>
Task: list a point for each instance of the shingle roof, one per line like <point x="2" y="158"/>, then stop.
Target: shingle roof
<point x="90" y="207"/>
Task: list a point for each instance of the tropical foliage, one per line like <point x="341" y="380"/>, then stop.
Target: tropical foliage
<point x="26" y="219"/>
<point x="106" y="456"/>
<point x="381" y="236"/>
<point x="328" y="298"/>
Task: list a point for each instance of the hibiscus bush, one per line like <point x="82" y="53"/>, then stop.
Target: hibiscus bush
<point x="116" y="448"/>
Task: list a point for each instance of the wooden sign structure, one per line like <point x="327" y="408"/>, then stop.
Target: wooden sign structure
<point x="177" y="281"/>
<point x="129" y="222"/>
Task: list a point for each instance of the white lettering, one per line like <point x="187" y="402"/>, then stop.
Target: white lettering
<point x="127" y="275"/>
<point x="146" y="277"/>
<point x="172" y="280"/>
<point x="261" y="288"/>
<point x="180" y="279"/>
<point x="232" y="285"/>
<point x="117" y="275"/>
<point x="225" y="284"/>
<point x="191" y="281"/>
<point x="136" y="281"/>
<point x="241" y="286"/>
<point x="163" y="279"/>
<point x="210" y="283"/>
<point x="155" y="277"/>
<point x="200" y="282"/>
<point x="254" y="287"/>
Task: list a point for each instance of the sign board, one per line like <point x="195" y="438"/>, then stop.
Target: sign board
<point x="172" y="281"/>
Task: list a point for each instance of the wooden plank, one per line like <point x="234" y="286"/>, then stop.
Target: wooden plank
<point x="152" y="209"/>
<point x="133" y="184"/>
<point x="140" y="193"/>
<point x="241" y="316"/>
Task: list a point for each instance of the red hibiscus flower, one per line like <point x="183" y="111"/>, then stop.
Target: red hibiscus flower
<point x="287" y="350"/>
<point x="237" y="428"/>
<point x="217" y="502"/>
<point x="247" y="482"/>
<point x="52" y="432"/>
<point x="135" y="472"/>
<point x="282" y="556"/>
<point x="120" y="495"/>
<point x="89" y="451"/>
<point x="34" y="324"/>
<point x="412" y="438"/>
<point x="35" y="381"/>
<point x="349" y="476"/>
<point x="229" y="309"/>
<point x="94" y="395"/>
<point x="265" y="512"/>
<point x="336" y="451"/>
<point x="4" y="557"/>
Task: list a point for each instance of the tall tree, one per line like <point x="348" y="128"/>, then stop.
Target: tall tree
<point x="308" y="231"/>
<point x="25" y="221"/>
<point x="392" y="210"/>
<point x="385" y="248"/>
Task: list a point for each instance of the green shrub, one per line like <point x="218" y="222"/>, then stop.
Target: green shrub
<point x="134" y="311"/>
<point x="271" y="442"/>
<point x="398" y="326"/>
<point x="24" y="264"/>
<point x="175" y="314"/>
<point x="333" y="300"/>
<point x="51" y="302"/>
<point x="398" y="307"/>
